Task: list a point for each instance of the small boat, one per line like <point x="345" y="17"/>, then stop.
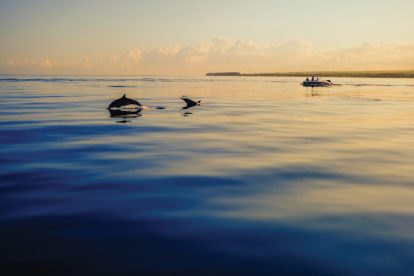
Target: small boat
<point x="317" y="83"/>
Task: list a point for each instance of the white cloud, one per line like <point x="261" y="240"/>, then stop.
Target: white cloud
<point x="225" y="54"/>
<point x="46" y="63"/>
<point x="134" y="55"/>
<point x="371" y="56"/>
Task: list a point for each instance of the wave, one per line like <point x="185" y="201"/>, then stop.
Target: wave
<point x="121" y="86"/>
<point x="101" y="80"/>
<point x="77" y="79"/>
<point x="136" y="79"/>
<point x="380" y="85"/>
<point x="175" y="79"/>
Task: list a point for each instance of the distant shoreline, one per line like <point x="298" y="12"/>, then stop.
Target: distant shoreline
<point x="339" y="74"/>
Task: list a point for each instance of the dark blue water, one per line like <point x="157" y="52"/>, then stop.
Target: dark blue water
<point x="264" y="177"/>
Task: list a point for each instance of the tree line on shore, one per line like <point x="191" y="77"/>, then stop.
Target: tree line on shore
<point x="353" y="74"/>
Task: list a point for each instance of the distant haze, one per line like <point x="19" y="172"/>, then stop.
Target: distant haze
<point x="195" y="37"/>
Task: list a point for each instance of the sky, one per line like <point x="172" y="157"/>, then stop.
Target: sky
<point x="194" y="37"/>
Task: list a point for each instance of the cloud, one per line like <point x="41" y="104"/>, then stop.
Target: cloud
<point x="369" y="56"/>
<point x="134" y="55"/>
<point x="225" y="54"/>
<point x="125" y="63"/>
<point x="46" y="63"/>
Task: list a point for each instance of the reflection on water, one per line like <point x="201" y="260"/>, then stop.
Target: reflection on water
<point x="186" y="114"/>
<point x="264" y="179"/>
<point x="124" y="114"/>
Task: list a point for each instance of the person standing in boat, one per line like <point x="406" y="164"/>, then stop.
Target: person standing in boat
<point x="307" y="79"/>
<point x="313" y="78"/>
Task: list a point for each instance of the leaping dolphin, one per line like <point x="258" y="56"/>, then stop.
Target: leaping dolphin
<point x="124" y="101"/>
<point x="189" y="102"/>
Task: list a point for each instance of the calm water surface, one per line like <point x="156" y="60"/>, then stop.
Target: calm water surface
<point x="265" y="177"/>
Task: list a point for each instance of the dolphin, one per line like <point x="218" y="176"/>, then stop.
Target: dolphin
<point x="189" y="102"/>
<point x="124" y="101"/>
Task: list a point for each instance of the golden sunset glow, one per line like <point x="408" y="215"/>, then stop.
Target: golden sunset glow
<point x="195" y="37"/>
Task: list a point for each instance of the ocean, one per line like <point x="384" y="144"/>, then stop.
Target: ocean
<point x="265" y="177"/>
